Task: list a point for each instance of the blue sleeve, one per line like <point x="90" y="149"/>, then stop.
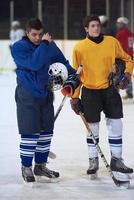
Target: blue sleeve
<point x="59" y="57"/>
<point x="29" y="58"/>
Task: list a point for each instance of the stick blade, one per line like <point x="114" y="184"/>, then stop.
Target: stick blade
<point x="52" y="155"/>
<point x="121" y="184"/>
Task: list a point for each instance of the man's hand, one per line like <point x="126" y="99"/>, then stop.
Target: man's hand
<point x="76" y="105"/>
<point x="123" y="81"/>
<point x="47" y="37"/>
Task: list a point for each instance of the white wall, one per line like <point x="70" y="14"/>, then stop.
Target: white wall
<point x="66" y="47"/>
<point x="7" y="64"/>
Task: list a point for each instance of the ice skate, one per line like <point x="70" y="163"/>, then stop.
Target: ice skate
<point x="27" y="174"/>
<point x="42" y="174"/>
<point x="121" y="171"/>
<point x="93" y="168"/>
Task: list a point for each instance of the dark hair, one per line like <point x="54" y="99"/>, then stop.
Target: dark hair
<point x="34" y="23"/>
<point x="90" y="18"/>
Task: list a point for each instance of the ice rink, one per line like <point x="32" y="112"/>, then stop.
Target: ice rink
<point x="69" y="144"/>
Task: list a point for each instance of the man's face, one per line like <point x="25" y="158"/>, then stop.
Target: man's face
<point x="93" y="29"/>
<point x="35" y="36"/>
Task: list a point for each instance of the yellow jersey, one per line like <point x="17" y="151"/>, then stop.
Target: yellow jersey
<point x="98" y="60"/>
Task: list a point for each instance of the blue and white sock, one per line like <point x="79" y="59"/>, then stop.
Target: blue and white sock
<point x="27" y="148"/>
<point x="115" y="136"/>
<point x="92" y="151"/>
<point x="43" y="147"/>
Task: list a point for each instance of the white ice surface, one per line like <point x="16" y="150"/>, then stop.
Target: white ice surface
<point x="69" y="144"/>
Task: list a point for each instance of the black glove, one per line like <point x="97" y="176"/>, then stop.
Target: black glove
<point x="70" y="85"/>
<point x="76" y="105"/>
<point x="122" y="81"/>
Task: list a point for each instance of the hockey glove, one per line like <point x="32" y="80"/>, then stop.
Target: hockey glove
<point x="70" y="85"/>
<point x="76" y="105"/>
<point x="123" y="81"/>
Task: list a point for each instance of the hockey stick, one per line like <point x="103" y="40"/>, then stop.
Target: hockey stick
<point x="60" y="107"/>
<point x="52" y="155"/>
<point x="65" y="97"/>
<point x="117" y="182"/>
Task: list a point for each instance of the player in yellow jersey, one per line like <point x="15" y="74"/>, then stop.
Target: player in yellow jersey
<point x="97" y="53"/>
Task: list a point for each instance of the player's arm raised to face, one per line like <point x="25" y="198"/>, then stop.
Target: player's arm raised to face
<point x="34" y="60"/>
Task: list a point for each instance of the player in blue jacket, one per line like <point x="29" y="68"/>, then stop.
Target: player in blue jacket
<point x="34" y="99"/>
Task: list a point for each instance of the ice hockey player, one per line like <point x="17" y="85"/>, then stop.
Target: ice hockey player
<point x="97" y="54"/>
<point x="34" y="55"/>
<point x="105" y="25"/>
<point x="16" y="33"/>
<point x="126" y="39"/>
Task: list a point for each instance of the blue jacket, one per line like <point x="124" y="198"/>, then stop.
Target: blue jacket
<point x="33" y="63"/>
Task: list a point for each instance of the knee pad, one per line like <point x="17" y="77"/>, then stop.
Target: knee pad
<point x="94" y="128"/>
<point x="114" y="127"/>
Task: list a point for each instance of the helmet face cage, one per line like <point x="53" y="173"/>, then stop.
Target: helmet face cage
<point x="58" y="74"/>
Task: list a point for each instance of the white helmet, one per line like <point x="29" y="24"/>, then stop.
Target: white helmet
<point x="15" y="23"/>
<point x="103" y="19"/>
<point x="58" y="74"/>
<point x="122" y="20"/>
